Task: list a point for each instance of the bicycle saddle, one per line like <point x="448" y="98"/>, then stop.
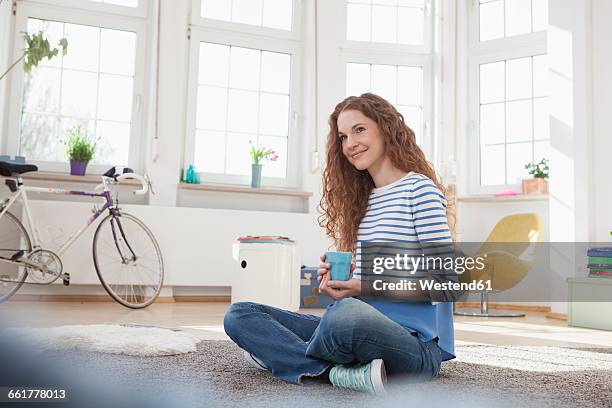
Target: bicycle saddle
<point x="8" y="169"/>
<point x="116" y="171"/>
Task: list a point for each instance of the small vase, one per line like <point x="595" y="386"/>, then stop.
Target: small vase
<point x="77" y="168"/>
<point x="256" y="175"/>
<point x="190" y="174"/>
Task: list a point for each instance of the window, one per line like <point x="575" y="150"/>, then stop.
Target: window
<point x="508" y="81"/>
<point x="387" y="50"/>
<point x="506" y="18"/>
<point x="243" y="98"/>
<point x="386" y="21"/>
<point x="125" y="3"/>
<point x="243" y="90"/>
<point x="513" y="118"/>
<point x="263" y="13"/>
<point x="96" y="85"/>
<point x="92" y="87"/>
<point x="400" y="85"/>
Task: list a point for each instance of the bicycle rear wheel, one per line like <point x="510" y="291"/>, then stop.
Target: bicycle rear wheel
<point x="128" y="260"/>
<point x="14" y="244"/>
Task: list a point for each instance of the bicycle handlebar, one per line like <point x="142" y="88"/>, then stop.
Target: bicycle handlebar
<point x="143" y="182"/>
<point x="127" y="176"/>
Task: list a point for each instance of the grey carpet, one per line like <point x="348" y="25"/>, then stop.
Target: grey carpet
<point x="216" y="375"/>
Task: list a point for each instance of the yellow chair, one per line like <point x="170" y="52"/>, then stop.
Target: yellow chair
<point x="510" y="252"/>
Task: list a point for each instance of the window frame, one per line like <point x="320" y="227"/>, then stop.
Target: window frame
<point x="92" y="6"/>
<point x="364" y="52"/>
<point x="502" y="49"/>
<point x="513" y="41"/>
<point x="28" y="9"/>
<point x="294" y="34"/>
<point x="373" y="46"/>
<point x="423" y="62"/>
<point x="259" y="38"/>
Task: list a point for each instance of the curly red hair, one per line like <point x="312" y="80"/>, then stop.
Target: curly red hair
<point x="346" y="190"/>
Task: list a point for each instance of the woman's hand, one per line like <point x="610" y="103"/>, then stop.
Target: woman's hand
<point x="336" y="289"/>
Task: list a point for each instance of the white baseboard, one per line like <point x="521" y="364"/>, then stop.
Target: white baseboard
<point x="93" y="290"/>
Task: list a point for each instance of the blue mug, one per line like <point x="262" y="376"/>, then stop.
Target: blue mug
<point x="339" y="264"/>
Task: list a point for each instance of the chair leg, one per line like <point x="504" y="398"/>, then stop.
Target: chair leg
<point x="484" y="303"/>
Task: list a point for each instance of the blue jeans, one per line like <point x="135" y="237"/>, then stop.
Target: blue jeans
<point x="295" y="345"/>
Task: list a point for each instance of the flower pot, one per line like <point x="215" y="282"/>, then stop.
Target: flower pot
<point x="77" y="168"/>
<point x="256" y="175"/>
<point x="535" y="186"/>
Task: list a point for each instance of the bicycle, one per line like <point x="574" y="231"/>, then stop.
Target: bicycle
<point x="127" y="257"/>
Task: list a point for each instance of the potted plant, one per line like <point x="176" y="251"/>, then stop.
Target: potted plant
<point x="538" y="184"/>
<point x="37" y="48"/>
<point x="79" y="149"/>
<point x="257" y="155"/>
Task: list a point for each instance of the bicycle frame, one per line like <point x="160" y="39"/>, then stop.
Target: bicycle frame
<point x="22" y="192"/>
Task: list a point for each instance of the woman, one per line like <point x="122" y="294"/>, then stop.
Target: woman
<point x="377" y="186"/>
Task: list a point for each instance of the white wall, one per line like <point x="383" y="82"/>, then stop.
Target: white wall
<point x="570" y="105"/>
<point x="242" y="201"/>
<point x="475" y="220"/>
<point x="6" y="27"/>
<point x="196" y="243"/>
<point x="568" y="128"/>
<point x="581" y="101"/>
<point x="173" y="54"/>
<point x="601" y="168"/>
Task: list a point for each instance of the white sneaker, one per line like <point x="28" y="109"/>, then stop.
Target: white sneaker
<point x="254" y="361"/>
<point x="370" y="377"/>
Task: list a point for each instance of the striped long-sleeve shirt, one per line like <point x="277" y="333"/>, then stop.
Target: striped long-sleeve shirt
<point x="411" y="210"/>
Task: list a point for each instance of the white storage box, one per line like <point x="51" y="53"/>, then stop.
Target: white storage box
<point x="592" y="315"/>
<point x="267" y="273"/>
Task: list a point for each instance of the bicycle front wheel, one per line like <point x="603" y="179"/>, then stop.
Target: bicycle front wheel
<point x="15" y="245"/>
<point x="128" y="260"/>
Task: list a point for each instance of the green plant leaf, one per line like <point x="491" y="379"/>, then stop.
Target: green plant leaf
<point x="38" y="48"/>
<point x="78" y="146"/>
<point x="539" y="170"/>
<point x="64" y="44"/>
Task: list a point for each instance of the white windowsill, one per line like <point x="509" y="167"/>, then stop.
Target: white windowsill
<point x="245" y="189"/>
<point x="487" y="198"/>
<point x="68" y="178"/>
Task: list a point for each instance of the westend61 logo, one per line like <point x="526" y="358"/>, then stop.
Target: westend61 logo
<point x="430" y="285"/>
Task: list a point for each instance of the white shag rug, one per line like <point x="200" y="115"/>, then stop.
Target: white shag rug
<point x="130" y="340"/>
<point x="534" y="358"/>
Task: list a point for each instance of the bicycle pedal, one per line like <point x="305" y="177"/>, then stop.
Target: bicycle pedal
<point x="66" y="279"/>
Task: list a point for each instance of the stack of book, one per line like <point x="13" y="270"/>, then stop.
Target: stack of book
<point x="252" y="239"/>
<point x="600" y="262"/>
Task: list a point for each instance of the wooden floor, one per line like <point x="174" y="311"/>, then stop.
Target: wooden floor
<point x="206" y="321"/>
